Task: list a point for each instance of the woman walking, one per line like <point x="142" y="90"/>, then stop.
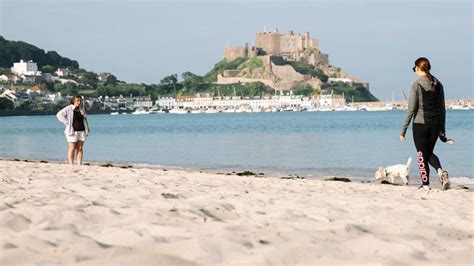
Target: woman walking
<point x="76" y="129"/>
<point x="426" y="106"/>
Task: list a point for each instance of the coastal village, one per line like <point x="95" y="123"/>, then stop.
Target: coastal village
<point x="273" y="61"/>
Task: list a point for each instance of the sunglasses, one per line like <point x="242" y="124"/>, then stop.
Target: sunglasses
<point x="414" y="69"/>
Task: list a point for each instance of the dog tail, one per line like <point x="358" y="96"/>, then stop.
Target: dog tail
<point x="408" y="162"/>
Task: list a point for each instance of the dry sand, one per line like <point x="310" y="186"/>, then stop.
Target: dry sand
<point x="99" y="215"/>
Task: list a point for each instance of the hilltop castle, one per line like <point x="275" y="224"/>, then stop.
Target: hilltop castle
<point x="291" y="47"/>
<point x="274" y="51"/>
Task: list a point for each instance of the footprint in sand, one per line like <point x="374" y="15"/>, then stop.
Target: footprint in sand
<point x="9" y="245"/>
<point x="14" y="221"/>
<point x="5" y="206"/>
<point x="220" y="213"/>
<point x="117" y="237"/>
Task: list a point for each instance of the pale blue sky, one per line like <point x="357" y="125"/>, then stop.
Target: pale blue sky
<point x="143" y="41"/>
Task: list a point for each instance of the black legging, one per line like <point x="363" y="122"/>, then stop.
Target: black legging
<point x="425" y="137"/>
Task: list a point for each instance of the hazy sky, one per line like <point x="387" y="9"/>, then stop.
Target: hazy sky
<point x="143" y="41"/>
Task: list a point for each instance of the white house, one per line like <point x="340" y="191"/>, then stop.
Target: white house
<point x="55" y="97"/>
<point x="166" y="102"/>
<point x="102" y="76"/>
<point x="111" y="102"/>
<point x="30" y="78"/>
<point x="325" y="101"/>
<point x="142" y="102"/>
<point x="330" y="101"/>
<point x="63" y="72"/>
<point x="202" y="101"/>
<point x="25" y="68"/>
<point x="3" y="78"/>
<point x="37" y="90"/>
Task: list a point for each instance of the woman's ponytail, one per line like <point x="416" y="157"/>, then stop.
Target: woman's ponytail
<point x="431" y="79"/>
<point x="424" y="65"/>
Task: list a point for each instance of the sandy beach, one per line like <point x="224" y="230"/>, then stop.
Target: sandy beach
<point x="144" y="216"/>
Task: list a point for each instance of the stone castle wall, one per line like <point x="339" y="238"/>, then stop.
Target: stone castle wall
<point x="275" y="43"/>
<point x="231" y="73"/>
<point x="281" y="85"/>
<point x="233" y="52"/>
<point x="286" y="72"/>
<point x="233" y="80"/>
<point x="268" y="42"/>
<point x="318" y="59"/>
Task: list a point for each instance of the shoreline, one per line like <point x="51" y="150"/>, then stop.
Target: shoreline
<point x="13" y="113"/>
<point x="98" y="215"/>
<point x="246" y="172"/>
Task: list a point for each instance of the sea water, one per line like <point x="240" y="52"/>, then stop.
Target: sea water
<point x="311" y="144"/>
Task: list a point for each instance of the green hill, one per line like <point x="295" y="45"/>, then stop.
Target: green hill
<point x="14" y="51"/>
<point x="355" y="92"/>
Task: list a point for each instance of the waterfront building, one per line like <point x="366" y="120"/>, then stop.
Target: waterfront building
<point x="142" y="102"/>
<point x="166" y="102"/>
<point x="205" y="101"/>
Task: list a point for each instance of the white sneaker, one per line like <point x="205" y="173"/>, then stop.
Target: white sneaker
<point x="444" y="179"/>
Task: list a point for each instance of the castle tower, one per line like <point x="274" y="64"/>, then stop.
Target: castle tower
<point x="268" y="42"/>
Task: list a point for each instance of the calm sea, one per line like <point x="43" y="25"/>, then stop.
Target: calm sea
<point x="316" y="144"/>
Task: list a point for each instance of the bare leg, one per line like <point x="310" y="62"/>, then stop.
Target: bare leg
<point x="79" y="148"/>
<point x="71" y="153"/>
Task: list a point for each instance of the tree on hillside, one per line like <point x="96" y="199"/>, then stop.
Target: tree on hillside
<point x="222" y="65"/>
<point x="111" y="80"/>
<point x="191" y="80"/>
<point x="66" y="89"/>
<point x="6" y="104"/>
<point x="14" y="51"/>
<point x="169" y="84"/>
<point x="89" y="78"/>
<point x="48" y="69"/>
<point x="304" y="89"/>
<point x="5" y="71"/>
<point x="24" y="105"/>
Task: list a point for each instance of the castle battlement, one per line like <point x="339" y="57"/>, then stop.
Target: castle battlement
<point x="274" y="43"/>
<point x="290" y="33"/>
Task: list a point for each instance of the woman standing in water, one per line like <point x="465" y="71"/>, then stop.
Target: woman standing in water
<point x="76" y="129"/>
<point x="426" y="106"/>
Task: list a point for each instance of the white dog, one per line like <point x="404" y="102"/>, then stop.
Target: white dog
<point x="392" y="172"/>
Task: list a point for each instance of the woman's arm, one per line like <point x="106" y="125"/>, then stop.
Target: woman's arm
<point x="62" y="116"/>
<point x="412" y="108"/>
<point x="442" y="110"/>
